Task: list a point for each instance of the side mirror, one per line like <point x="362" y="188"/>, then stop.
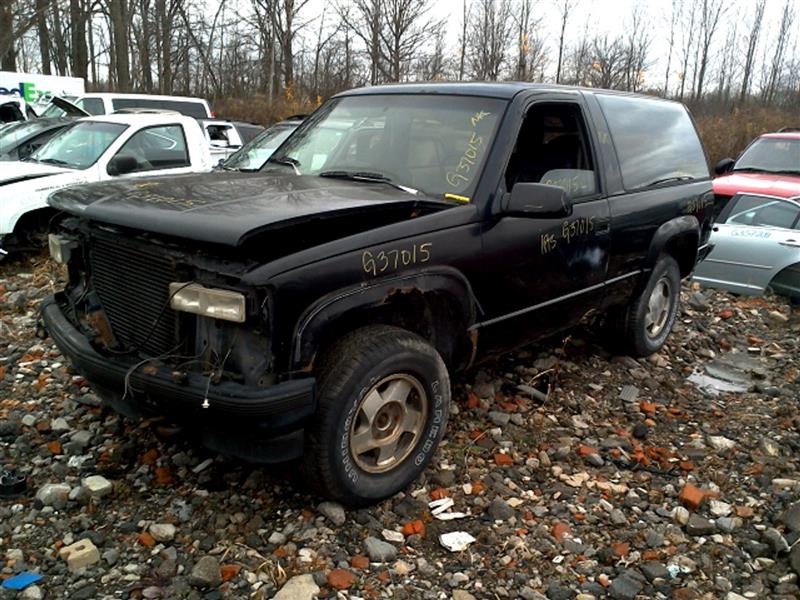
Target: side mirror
<point x="122" y="164"/>
<point x="537" y="200"/>
<point x="724" y="166"/>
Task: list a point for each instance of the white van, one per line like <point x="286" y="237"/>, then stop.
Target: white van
<point x="107" y="103"/>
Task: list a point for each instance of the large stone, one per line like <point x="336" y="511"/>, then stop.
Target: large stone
<point x="205" y="573"/>
<point x="499" y="510"/>
<point x="97" y="486"/>
<point x="791" y="517"/>
<point x="625" y="588"/>
<point x="80" y="554"/>
<point x="697" y="525"/>
<point x="162" y="532"/>
<point x="654" y="570"/>
<point x="299" y="587"/>
<point x="50" y="493"/>
<point x="379" y="551"/>
<point x="333" y="512"/>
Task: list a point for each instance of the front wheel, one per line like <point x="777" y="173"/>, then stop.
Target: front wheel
<point x="643" y="326"/>
<point x="384" y="395"/>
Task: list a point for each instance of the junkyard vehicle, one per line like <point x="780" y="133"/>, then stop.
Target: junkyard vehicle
<point x="106" y="103"/>
<point x="21" y="139"/>
<point x="96" y="149"/>
<point x="316" y="308"/>
<point x="226" y="137"/>
<point x="756" y="245"/>
<point x="769" y="165"/>
<point x="13" y="108"/>
<point x="253" y="155"/>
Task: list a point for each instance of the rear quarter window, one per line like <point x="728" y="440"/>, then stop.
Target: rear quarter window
<point x="655" y="141"/>
<point x="190" y="109"/>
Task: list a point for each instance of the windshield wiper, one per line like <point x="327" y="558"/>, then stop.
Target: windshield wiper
<point x="669" y="180"/>
<point x="286" y="160"/>
<point x="54" y="161"/>
<point x="369" y="177"/>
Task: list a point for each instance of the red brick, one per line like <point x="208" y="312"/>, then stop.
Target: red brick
<point x="228" y="572"/>
<point x="146" y="540"/>
<point x="359" y="562"/>
<point x="691" y="497"/>
<point x="341" y="579"/>
<point x="503" y="460"/>
<point x="559" y="530"/>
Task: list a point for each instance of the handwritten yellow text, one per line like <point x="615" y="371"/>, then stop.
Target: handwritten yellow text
<point x="374" y="263"/>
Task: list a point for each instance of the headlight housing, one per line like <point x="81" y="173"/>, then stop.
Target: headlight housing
<point x="208" y="302"/>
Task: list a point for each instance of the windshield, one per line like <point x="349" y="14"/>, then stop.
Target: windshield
<point x="252" y="156"/>
<point x="433" y="143"/>
<point x="80" y="146"/>
<point x="771" y="155"/>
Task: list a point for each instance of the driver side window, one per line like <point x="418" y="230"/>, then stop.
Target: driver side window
<point x="552" y="148"/>
<point x="156" y="148"/>
<point x="758" y="211"/>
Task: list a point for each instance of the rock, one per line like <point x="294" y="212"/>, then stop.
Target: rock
<point x="59" y="425"/>
<point x="97" y="486"/>
<point x="499" y="510"/>
<point x="299" y="587"/>
<point x="81" y="438"/>
<point x="79" y="555"/>
<point x="333" y="511"/>
<point x="277" y="538"/>
<point x="654" y="570"/>
<point x="162" y="532"/>
<point x="625" y="587"/>
<point x="721" y="443"/>
<point x="774" y="538"/>
<point x="33" y="592"/>
<point x="777" y="317"/>
<point x="9" y="429"/>
<point x="697" y="525"/>
<point x="379" y="551"/>
<point x="205" y="573"/>
<point x="500" y="419"/>
<point x="50" y="493"/>
<point x="719" y="508"/>
<point x="681" y="515"/>
<point x="794" y="559"/>
<point x="791" y="517"/>
<point x="462" y="595"/>
<point x="698" y="302"/>
<point x="640" y="431"/>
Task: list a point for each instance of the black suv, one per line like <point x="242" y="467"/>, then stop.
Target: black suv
<point x="316" y="308"/>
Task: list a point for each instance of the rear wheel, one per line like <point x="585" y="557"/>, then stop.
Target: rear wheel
<point x="383" y="399"/>
<point x="643" y="326"/>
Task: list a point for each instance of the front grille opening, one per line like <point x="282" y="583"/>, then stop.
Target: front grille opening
<point x="132" y="283"/>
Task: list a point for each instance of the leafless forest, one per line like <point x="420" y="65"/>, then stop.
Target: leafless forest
<point x="735" y="62"/>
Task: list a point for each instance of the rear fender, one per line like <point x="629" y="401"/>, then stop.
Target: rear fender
<point x="679" y="238"/>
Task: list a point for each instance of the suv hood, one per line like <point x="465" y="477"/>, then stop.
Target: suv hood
<point x="225" y="208"/>
<point x="17" y="171"/>
<point x="784" y="186"/>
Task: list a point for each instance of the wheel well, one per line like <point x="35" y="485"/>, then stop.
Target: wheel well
<point x="435" y="316"/>
<point x="34" y="221"/>
<point x="683" y="249"/>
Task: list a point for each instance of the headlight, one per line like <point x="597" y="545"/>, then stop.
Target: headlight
<point x="208" y="302"/>
<point x="60" y="247"/>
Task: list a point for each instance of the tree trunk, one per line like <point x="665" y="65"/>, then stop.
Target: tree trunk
<point x="119" y="34"/>
<point x="44" y="35"/>
<point x="78" y="18"/>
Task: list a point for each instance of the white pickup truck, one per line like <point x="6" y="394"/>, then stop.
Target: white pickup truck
<point x="97" y="149"/>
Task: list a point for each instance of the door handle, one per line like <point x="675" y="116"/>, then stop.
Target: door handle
<point x="790" y="244"/>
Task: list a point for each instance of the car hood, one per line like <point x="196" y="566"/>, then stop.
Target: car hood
<point x="17" y="171"/>
<point x="784" y="186"/>
<point x="225" y="208"/>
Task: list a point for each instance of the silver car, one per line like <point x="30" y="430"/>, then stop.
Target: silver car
<point x="756" y="245"/>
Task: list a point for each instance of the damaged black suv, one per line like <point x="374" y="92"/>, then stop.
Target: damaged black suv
<point x="316" y="308"/>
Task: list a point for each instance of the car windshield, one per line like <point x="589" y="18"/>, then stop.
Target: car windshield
<point x="771" y="155"/>
<point x="434" y="143"/>
<point x="80" y="146"/>
<point x="252" y="156"/>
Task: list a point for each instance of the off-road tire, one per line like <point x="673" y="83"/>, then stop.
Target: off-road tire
<point x="350" y="370"/>
<point x="629" y="327"/>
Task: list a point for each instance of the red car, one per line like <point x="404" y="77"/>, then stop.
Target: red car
<point x="770" y="165"/>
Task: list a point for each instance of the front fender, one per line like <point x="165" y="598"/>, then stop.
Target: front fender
<point x="312" y="324"/>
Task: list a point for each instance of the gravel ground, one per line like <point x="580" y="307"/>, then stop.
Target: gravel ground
<point x="575" y="473"/>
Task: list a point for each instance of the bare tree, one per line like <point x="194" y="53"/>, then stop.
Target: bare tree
<point x="781" y="43"/>
<point x="710" y="13"/>
<point x="567" y="6"/>
<point x="488" y="43"/>
<point x="406" y="28"/>
<point x="673" y="21"/>
<point x="752" y="45"/>
<point x="462" y="50"/>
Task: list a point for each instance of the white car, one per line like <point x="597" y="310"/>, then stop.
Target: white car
<point x="756" y="245"/>
<point x="106" y="103"/>
<point x="97" y="149"/>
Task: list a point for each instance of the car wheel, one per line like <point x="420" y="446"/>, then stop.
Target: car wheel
<point x="383" y="399"/>
<point x="643" y="327"/>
